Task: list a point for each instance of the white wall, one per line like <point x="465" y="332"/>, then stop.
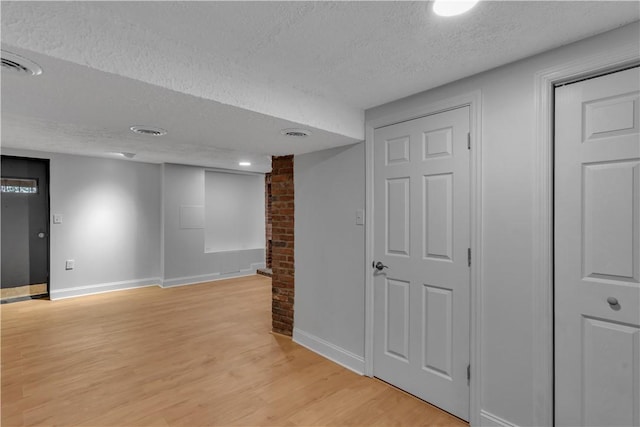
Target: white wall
<point x="185" y="259"/>
<point x="111" y="223"/>
<point x="329" y="273"/>
<point x="329" y="254"/>
<point x="234" y="211"/>
<point x="121" y="226"/>
<point x="508" y="119"/>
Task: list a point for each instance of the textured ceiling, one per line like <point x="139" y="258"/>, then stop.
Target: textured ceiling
<point x="225" y="77"/>
<point x="76" y="109"/>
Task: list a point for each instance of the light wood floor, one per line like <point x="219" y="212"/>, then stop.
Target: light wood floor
<point x="187" y="356"/>
<point x="23" y="291"/>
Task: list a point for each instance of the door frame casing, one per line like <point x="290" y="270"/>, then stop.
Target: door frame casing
<point x="543" y="215"/>
<point x="474" y="101"/>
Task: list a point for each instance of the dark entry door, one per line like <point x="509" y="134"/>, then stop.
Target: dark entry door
<point x="25" y="227"/>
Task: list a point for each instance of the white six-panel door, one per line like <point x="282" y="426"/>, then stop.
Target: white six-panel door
<point x="597" y="256"/>
<point x="421" y="298"/>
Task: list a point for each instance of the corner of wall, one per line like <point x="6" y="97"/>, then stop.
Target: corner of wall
<point x="330" y="351"/>
<point x="162" y="217"/>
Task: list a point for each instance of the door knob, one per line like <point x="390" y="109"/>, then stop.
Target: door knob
<point x="612" y="301"/>
<point x="379" y="266"/>
<point x="41" y="235"/>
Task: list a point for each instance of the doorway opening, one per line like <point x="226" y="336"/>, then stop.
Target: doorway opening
<point x="24" y="195"/>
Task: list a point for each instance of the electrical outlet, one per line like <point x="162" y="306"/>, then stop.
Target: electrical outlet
<point x="69" y="264"/>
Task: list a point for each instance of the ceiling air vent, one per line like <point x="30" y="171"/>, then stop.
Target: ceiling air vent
<point x="297" y="133"/>
<point x="16" y="64"/>
<point x="148" y="130"/>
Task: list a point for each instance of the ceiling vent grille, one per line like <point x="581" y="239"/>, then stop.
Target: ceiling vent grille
<point x="147" y="130"/>
<point x="16" y="64"/>
<point x="296" y="133"/>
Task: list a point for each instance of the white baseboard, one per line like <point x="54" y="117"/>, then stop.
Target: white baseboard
<point x="192" y="280"/>
<point x="331" y="351"/>
<point x="487" y="419"/>
<point x="152" y="281"/>
<point x="103" y="287"/>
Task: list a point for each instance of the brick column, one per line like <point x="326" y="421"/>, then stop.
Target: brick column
<point x="282" y="228"/>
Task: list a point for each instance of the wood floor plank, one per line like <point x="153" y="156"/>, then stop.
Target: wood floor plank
<point x="199" y="355"/>
<point x="23" y="291"/>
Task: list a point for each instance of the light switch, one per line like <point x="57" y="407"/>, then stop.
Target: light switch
<point x="69" y="264"/>
<point x="359" y="216"/>
<point x="57" y="218"/>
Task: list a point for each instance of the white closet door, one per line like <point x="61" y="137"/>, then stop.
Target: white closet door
<point x="597" y="256"/>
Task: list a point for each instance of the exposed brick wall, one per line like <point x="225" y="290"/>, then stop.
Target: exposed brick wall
<point x="282" y="264"/>
<point x="267" y="216"/>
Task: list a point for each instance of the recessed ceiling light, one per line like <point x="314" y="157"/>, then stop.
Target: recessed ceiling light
<point x="245" y="163"/>
<point x="453" y="7"/>
<point x="298" y="133"/>
<point x="148" y="130"/>
<point x="17" y="65"/>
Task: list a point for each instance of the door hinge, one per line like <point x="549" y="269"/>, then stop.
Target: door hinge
<point x="468" y="140"/>
<point x="469" y="257"/>
<point x="468" y="372"/>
